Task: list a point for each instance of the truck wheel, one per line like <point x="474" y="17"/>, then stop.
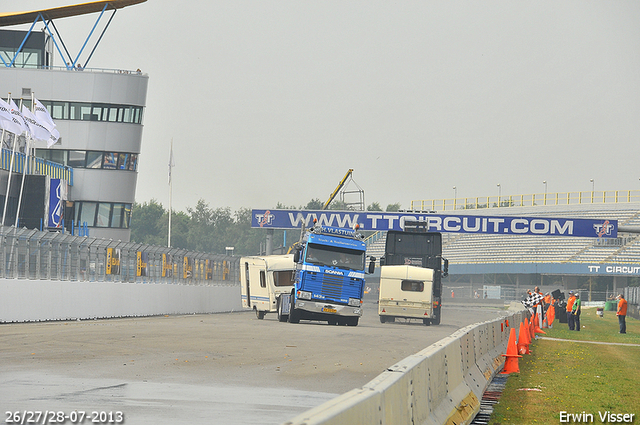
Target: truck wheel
<point x="281" y="317"/>
<point x="383" y="319"/>
<point x="294" y="315"/>
<point x="436" y="320"/>
<point x="427" y="322"/>
<point x="259" y="314"/>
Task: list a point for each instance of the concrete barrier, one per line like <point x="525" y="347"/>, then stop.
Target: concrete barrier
<point x="43" y="300"/>
<point x="442" y="384"/>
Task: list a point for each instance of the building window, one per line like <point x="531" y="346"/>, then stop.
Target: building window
<point x="94" y="112"/>
<point x="103" y="214"/>
<point x="77" y="159"/>
<point x="116" y="215"/>
<point x="91" y="159"/>
<point x="94" y="159"/>
<point x="87" y="213"/>
<point x="110" y="161"/>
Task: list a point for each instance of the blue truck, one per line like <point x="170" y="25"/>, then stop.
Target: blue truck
<point x="329" y="279"/>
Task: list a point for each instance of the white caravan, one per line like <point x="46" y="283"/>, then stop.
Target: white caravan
<point x="264" y="280"/>
<point x="407" y="292"/>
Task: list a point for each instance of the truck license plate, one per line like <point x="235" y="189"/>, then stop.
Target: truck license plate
<point x="329" y="310"/>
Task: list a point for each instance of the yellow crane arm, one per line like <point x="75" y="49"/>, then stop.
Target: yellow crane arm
<point x="335" y="192"/>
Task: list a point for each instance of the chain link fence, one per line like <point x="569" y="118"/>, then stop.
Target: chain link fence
<point x="35" y="255"/>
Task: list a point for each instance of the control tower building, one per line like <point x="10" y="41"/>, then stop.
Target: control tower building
<point x="98" y="112"/>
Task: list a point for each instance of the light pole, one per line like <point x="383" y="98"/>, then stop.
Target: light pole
<point x="593" y="184"/>
<point x="455" y="196"/>
<point x="499" y="194"/>
<point x="544" y="182"/>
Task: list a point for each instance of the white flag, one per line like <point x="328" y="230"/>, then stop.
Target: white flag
<point x="11" y="121"/>
<point x="42" y="115"/>
<point x="54" y="137"/>
<point x="7" y="120"/>
<point x="37" y="130"/>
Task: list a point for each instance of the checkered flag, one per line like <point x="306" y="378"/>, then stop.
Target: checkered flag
<point x="532" y="300"/>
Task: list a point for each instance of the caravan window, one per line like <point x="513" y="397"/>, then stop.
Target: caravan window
<point x="263" y="279"/>
<point x="284" y="277"/>
<point x="412" y="285"/>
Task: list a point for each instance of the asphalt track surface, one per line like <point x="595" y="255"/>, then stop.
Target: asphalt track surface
<point x="226" y="368"/>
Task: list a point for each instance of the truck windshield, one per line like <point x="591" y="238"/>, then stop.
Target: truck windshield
<point x="332" y="256"/>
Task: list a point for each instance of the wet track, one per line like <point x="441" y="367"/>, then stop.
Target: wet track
<point x="218" y="368"/>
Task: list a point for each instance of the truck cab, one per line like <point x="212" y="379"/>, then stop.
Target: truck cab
<point x="411" y="273"/>
<point x="330" y="276"/>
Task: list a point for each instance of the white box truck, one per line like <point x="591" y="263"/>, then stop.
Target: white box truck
<point x="263" y="280"/>
<point x="406" y="292"/>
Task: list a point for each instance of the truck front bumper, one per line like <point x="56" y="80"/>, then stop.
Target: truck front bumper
<point x="323" y="308"/>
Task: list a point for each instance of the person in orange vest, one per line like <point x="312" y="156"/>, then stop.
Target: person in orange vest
<point x="622" y="313"/>
<point x="570" y="302"/>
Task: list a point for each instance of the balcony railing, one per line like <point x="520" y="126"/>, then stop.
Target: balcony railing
<point x="37" y="166"/>
<point x="536" y="199"/>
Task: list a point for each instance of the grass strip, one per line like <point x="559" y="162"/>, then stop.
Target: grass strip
<point x="574" y="377"/>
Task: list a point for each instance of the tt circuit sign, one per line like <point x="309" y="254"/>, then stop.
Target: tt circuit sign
<point x="383" y="221"/>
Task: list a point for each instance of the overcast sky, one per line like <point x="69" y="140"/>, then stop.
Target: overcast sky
<point x="273" y="101"/>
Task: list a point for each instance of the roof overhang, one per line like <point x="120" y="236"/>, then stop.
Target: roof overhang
<point x="17" y="18"/>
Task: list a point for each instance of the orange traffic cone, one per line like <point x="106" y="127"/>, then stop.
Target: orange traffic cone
<point x="511" y="363"/>
<point x="530" y="328"/>
<point x="551" y="315"/>
<point x="523" y="340"/>
<point x="536" y="328"/>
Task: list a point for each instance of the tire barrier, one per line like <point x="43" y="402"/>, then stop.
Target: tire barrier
<point x="442" y="384"/>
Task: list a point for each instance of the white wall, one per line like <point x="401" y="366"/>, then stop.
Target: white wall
<point x="27" y="300"/>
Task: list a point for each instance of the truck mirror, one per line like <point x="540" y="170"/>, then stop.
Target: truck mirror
<point x="296" y="256"/>
<point x="445" y="271"/>
<point x="381" y="261"/>
<point x="372" y="265"/>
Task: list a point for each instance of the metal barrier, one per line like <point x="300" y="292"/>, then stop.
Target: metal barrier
<point x="35" y="255"/>
<point x="442" y="384"/>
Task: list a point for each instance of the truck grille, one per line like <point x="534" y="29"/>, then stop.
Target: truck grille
<point x="332" y="286"/>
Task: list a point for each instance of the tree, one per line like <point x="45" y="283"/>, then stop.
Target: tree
<point x="393" y="207"/>
<point x="314" y="204"/>
<point x="375" y="206"/>
<point x="147" y="223"/>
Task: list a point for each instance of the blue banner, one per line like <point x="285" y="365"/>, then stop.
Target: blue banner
<point x="446" y="223"/>
<point x="55" y="203"/>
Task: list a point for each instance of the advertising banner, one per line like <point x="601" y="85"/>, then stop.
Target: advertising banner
<point x="113" y="261"/>
<point x="56" y="199"/>
<point x="445" y="223"/>
<point x="167" y="265"/>
<point x="142" y="264"/>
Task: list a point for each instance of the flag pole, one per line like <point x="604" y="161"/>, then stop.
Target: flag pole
<point x="13" y="154"/>
<point x="25" y="165"/>
<point x="170" y="192"/>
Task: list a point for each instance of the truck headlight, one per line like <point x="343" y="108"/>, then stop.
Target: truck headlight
<point x="304" y="295"/>
<point x="354" y="302"/>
